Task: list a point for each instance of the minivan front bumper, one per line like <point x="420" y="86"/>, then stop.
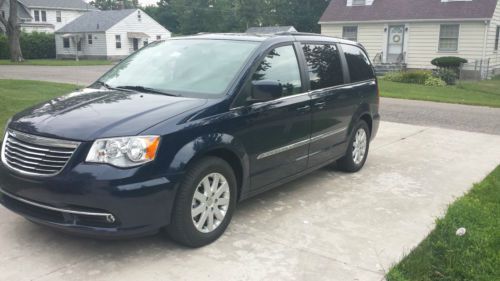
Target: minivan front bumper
<point x="90" y="202"/>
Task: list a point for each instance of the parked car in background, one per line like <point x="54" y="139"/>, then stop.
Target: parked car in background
<point x="179" y="132"/>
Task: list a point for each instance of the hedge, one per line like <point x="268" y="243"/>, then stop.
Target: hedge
<point x="34" y="45"/>
<point x="452" y="62"/>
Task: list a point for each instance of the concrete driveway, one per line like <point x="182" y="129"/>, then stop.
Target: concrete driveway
<point x="326" y="226"/>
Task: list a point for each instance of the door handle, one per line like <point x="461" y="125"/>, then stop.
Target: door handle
<point x="320" y="104"/>
<point x="304" y="108"/>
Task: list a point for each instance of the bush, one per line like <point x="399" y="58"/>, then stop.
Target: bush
<point x="413" y="77"/>
<point x="453" y="62"/>
<point x="33" y="45"/>
<point x="447" y="75"/>
<point x="434" y="81"/>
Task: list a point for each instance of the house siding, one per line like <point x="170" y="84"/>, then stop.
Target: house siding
<point x="370" y="35"/>
<point x="421" y="39"/>
<point x="132" y="24"/>
<point x="493" y="54"/>
<point x="95" y="50"/>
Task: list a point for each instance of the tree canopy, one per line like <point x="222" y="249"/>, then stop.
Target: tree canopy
<point x="194" y="16"/>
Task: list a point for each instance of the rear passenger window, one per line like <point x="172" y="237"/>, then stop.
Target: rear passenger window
<point x="281" y="65"/>
<point x="359" y="65"/>
<point x="324" y="67"/>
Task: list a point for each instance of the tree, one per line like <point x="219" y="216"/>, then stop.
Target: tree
<point x="13" y="30"/>
<point x="115" y="4"/>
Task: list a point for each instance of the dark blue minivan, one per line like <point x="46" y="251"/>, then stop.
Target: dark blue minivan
<point x="175" y="135"/>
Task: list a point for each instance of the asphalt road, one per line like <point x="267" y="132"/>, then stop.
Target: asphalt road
<point x="451" y="116"/>
<point x="325" y="226"/>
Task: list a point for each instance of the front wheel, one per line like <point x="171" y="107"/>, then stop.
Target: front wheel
<point x="205" y="203"/>
<point x="357" y="150"/>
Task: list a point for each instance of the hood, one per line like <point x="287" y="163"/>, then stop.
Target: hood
<point x="90" y="114"/>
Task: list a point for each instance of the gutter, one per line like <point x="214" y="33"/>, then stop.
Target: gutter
<point x="405" y="20"/>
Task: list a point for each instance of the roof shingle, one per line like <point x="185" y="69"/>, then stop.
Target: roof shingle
<point x="382" y="10"/>
<point x="97" y="21"/>
<point x="60" y="4"/>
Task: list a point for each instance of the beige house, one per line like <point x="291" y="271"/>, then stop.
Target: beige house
<point x="413" y="32"/>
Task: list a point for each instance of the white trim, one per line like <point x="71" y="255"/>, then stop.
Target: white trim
<point x="403" y="20"/>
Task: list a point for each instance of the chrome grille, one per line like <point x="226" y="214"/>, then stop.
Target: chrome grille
<point x="37" y="156"/>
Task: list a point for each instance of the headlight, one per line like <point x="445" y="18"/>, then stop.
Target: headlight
<point x="124" y="152"/>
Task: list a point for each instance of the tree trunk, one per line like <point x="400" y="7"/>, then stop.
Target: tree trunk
<point x="13" y="30"/>
<point x="16" y="54"/>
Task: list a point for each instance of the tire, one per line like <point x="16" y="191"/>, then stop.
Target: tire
<point x="203" y="173"/>
<point x="352" y="162"/>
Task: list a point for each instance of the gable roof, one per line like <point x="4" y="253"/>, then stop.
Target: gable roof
<point x="58" y="4"/>
<point x="96" y="21"/>
<point x="384" y="10"/>
<point x="270" y="29"/>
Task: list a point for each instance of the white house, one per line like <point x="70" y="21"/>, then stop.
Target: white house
<point x="108" y="34"/>
<point x="47" y="15"/>
<point x="413" y="32"/>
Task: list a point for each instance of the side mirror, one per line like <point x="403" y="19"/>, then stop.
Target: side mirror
<point x="266" y="90"/>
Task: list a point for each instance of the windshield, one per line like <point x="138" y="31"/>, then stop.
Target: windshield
<point x="195" y="68"/>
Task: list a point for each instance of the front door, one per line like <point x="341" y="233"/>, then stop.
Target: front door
<point x="395" y="43"/>
<point x="136" y="44"/>
<point x="275" y="132"/>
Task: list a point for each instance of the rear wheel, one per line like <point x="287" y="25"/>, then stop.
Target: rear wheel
<point x="205" y="203"/>
<point x="357" y="150"/>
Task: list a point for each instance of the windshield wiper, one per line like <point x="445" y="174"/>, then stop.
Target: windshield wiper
<point x="107" y="86"/>
<point x="146" y="90"/>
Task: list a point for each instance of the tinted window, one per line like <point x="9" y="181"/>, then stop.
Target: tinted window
<point x="281" y="65"/>
<point x="359" y="65"/>
<point x="194" y="68"/>
<point x="324" y="66"/>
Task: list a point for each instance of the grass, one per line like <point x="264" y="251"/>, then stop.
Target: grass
<point x="485" y="93"/>
<point x="16" y="95"/>
<point x="444" y="256"/>
<point x="54" y="62"/>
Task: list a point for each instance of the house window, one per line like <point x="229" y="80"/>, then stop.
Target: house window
<point x="146" y="43"/>
<point x="36" y="13"/>
<point x="79" y="45"/>
<point x="58" y="16"/>
<point x="118" y="39"/>
<point x="89" y="39"/>
<point x="44" y="16"/>
<point x="497" y="38"/>
<point x="2" y="13"/>
<point x="448" y="37"/>
<point x="158" y="37"/>
<point x="139" y="15"/>
<point x="66" y="43"/>
<point x="358" y="2"/>
<point x="350" y="33"/>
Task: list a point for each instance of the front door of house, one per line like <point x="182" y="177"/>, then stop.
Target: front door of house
<point x="136" y="44"/>
<point x="395" y="43"/>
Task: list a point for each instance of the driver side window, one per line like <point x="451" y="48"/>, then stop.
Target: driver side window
<point x="278" y="75"/>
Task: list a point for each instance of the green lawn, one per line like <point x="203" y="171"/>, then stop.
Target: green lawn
<point x="444" y="256"/>
<point x="485" y="93"/>
<point x="54" y="62"/>
<point x="16" y="95"/>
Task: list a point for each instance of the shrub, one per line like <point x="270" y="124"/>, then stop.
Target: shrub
<point x="453" y="62"/>
<point x="434" y="81"/>
<point x="33" y="45"/>
<point x="447" y="75"/>
<point x="413" y="77"/>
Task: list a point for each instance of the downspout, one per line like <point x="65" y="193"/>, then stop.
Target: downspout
<point x="485" y="42"/>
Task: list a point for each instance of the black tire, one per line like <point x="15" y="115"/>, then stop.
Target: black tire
<point x="182" y="228"/>
<point x="347" y="163"/>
